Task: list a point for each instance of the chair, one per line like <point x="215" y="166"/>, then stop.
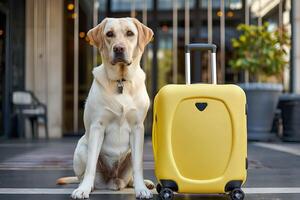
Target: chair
<point x="26" y="105"/>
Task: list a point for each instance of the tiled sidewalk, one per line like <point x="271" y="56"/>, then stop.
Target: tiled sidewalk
<point x="28" y="170"/>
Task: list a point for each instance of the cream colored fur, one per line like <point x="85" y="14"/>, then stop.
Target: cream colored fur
<point x="114" y="122"/>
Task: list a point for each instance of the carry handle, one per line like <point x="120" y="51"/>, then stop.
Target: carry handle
<point x="202" y="47"/>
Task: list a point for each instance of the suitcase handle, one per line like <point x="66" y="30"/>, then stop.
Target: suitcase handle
<point x="202" y="47"/>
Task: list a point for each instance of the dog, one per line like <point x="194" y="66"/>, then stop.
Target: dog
<point x="110" y="153"/>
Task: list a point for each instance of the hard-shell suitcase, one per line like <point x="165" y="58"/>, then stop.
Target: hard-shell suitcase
<point x="199" y="136"/>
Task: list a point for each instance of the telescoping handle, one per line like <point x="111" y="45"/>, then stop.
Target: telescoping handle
<point x="201" y="47"/>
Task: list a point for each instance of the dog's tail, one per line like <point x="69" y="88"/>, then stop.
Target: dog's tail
<point x="67" y="180"/>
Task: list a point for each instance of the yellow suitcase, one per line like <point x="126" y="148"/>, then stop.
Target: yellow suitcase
<point x="199" y="136"/>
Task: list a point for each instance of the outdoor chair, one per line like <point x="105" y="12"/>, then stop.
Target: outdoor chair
<point x="27" y="106"/>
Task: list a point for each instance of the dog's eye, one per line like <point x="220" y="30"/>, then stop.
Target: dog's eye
<point x="129" y="33"/>
<point x="110" y="34"/>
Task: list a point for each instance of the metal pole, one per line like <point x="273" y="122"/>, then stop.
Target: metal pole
<point x="209" y="33"/>
<point x="247" y="20"/>
<point x="7" y="80"/>
<point x="187" y="22"/>
<point x="280" y="15"/>
<point x="175" y="34"/>
<point x="108" y="8"/>
<point x="247" y="11"/>
<point x="209" y="21"/>
<point x="280" y="26"/>
<point x="187" y="41"/>
<point x="132" y="13"/>
<point x="295" y="40"/>
<point x="154" y="71"/>
<point x="213" y="68"/>
<point x="76" y="66"/>
<point x="187" y="68"/>
<point x="145" y="13"/>
<point x="222" y="38"/>
<point x="95" y="22"/>
<point x="145" y="55"/>
<point x="148" y="120"/>
<point x="196" y="76"/>
<point x="259" y="22"/>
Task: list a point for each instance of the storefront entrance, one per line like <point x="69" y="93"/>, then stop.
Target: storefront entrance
<point x="78" y="64"/>
<point x="4" y="70"/>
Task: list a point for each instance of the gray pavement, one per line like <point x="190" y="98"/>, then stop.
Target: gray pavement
<point x="28" y="170"/>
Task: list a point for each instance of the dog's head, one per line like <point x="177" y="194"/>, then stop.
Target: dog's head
<point x="120" y="40"/>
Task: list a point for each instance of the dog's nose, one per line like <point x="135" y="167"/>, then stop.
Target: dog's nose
<point x="119" y="49"/>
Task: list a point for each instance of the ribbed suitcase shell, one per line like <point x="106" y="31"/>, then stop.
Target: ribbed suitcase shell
<point x="199" y="136"/>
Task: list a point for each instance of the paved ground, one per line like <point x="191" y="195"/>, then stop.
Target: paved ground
<point x="28" y="170"/>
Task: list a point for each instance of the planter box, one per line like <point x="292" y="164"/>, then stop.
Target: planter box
<point x="262" y="99"/>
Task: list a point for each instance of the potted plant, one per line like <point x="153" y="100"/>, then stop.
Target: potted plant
<point x="261" y="54"/>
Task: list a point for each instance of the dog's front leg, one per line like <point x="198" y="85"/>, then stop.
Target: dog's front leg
<point x="96" y="136"/>
<point x="136" y="144"/>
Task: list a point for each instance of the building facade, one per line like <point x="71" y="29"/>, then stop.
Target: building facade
<point x="44" y="49"/>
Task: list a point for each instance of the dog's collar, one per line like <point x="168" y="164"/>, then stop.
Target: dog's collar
<point x="120" y="85"/>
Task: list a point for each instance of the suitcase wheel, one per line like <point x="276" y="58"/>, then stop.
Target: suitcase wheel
<point x="237" y="194"/>
<point x="165" y="193"/>
<point x="158" y="188"/>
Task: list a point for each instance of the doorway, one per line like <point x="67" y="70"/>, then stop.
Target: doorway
<point x="4" y="104"/>
<point x="79" y="62"/>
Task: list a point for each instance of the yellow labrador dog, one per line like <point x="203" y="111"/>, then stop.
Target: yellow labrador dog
<point x="110" y="154"/>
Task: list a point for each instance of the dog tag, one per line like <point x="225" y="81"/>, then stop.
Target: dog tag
<point x="120" y="86"/>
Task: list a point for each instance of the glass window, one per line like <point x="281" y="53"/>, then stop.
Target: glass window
<point x="164" y="55"/>
<point x="126" y="5"/>
<point x="85" y="62"/>
<point x="231" y="4"/>
<point x="102" y="5"/>
<point x="3" y="21"/>
<point x="168" y="4"/>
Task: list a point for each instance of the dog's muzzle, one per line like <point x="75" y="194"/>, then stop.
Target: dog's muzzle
<point x="120" y="58"/>
<point x="119" y="55"/>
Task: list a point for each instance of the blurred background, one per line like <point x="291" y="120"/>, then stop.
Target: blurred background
<point x="44" y="50"/>
<point x="45" y="75"/>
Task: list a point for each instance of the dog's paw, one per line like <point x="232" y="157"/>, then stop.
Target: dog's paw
<point x="143" y="193"/>
<point x="82" y="192"/>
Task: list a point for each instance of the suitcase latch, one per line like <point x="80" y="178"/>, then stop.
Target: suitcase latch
<point x="201" y="105"/>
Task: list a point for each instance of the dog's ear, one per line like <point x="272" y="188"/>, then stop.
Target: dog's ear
<point x="145" y="34"/>
<point x="95" y="35"/>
